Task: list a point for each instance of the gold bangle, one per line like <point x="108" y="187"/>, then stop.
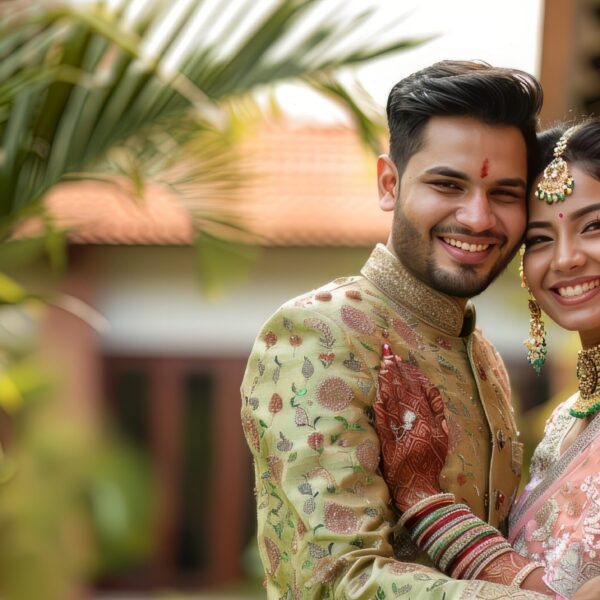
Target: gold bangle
<point x="529" y="568"/>
<point x="413" y="510"/>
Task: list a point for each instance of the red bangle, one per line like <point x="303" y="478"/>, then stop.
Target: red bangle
<point x="468" y="550"/>
<point x="443" y="521"/>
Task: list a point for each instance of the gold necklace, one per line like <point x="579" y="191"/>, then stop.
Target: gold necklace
<point x="588" y="374"/>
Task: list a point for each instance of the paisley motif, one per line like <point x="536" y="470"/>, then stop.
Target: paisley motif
<point x="340" y="519"/>
<point x="357" y="320"/>
<point x="335" y="394"/>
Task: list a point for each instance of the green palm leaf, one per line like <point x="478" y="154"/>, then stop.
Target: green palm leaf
<point x="153" y="91"/>
<point x="78" y="80"/>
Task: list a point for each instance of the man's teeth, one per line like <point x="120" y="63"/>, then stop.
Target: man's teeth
<point x="577" y="290"/>
<point x="466" y="246"/>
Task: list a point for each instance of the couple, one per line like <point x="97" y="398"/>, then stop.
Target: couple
<point x="385" y="450"/>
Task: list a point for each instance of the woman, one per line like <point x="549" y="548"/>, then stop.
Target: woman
<point x="557" y="518"/>
<point x="556" y="523"/>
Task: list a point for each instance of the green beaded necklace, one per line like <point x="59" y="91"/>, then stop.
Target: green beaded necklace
<point x="588" y="374"/>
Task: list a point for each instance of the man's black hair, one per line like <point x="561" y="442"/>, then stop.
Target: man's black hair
<point x="495" y="96"/>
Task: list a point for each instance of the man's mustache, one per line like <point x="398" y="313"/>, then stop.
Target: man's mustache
<point x="448" y="231"/>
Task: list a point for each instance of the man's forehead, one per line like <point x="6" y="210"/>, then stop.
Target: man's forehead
<point x="460" y="143"/>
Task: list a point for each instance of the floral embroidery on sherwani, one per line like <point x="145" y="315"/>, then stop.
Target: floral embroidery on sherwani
<point x="326" y="528"/>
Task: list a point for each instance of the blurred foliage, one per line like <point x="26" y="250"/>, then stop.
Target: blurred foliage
<point x="73" y="505"/>
<point x="156" y="91"/>
<point x="45" y="529"/>
<point x="120" y="501"/>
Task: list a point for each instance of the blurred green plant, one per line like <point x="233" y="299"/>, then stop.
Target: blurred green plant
<point x="123" y="90"/>
<point x="160" y="90"/>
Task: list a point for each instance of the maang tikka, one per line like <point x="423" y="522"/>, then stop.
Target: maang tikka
<point x="556" y="182"/>
<point x="536" y="342"/>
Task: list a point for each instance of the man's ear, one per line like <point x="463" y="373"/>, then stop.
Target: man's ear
<point x="388" y="183"/>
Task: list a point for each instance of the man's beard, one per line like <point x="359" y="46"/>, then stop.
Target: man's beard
<point x="464" y="282"/>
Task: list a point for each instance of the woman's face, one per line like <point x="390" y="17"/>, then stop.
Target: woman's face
<point x="562" y="260"/>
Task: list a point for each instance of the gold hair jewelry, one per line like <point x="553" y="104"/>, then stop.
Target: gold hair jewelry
<point x="588" y="371"/>
<point x="556" y="183"/>
<point x="536" y="342"/>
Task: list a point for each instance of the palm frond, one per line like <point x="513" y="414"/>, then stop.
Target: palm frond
<point x="151" y="82"/>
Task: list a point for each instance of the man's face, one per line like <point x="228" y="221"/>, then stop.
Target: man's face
<point x="459" y="211"/>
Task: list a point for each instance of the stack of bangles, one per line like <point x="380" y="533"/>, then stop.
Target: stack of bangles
<point x="459" y="544"/>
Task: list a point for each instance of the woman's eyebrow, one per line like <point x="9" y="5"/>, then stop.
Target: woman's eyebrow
<point x="580" y="212"/>
<point x="585" y="210"/>
<point x="542" y="224"/>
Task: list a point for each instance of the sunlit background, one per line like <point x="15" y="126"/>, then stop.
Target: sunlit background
<point x="170" y="173"/>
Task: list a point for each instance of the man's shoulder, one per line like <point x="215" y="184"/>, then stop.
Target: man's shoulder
<point x="491" y="355"/>
<point x="330" y="298"/>
<point x="481" y="339"/>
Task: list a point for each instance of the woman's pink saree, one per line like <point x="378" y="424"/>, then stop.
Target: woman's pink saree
<point x="556" y="520"/>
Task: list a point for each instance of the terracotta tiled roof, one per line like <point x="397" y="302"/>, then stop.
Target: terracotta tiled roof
<point x="101" y="213"/>
<point x="314" y="186"/>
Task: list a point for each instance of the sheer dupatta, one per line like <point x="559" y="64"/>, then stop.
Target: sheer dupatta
<point x="557" y="518"/>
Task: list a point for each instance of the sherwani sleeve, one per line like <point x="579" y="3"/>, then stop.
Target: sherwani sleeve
<point x="324" y="517"/>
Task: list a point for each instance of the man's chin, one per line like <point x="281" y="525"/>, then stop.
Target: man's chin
<point x="462" y="282"/>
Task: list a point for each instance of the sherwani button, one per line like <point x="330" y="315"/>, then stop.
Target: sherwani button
<point x="501" y="437"/>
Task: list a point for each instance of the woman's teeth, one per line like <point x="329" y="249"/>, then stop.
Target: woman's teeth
<point x="466" y="246"/>
<point x="577" y="290"/>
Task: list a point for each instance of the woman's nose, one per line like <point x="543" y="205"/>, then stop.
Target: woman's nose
<point x="568" y="255"/>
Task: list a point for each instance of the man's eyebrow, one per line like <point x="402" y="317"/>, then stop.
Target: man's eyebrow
<point x="447" y="172"/>
<point x="512" y="182"/>
<point x="450" y="172"/>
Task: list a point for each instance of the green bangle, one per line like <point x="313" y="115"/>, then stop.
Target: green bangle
<point x="450" y="555"/>
<point x="451" y="537"/>
<point x="430" y="518"/>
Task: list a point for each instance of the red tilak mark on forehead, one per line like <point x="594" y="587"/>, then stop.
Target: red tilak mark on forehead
<point x="560" y="215"/>
<point x="485" y="168"/>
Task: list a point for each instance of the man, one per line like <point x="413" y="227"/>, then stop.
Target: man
<point x="456" y="178"/>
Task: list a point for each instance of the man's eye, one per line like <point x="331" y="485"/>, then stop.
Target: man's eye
<point x="446" y="185"/>
<point x="508" y="194"/>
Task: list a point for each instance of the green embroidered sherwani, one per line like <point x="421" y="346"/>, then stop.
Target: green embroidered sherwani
<point x="326" y="527"/>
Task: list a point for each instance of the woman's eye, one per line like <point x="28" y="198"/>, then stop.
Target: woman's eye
<point x="593" y="226"/>
<point x="536" y="239"/>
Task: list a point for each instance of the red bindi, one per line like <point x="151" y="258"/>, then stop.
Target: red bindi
<point x="485" y="169"/>
<point x="560" y="215"/>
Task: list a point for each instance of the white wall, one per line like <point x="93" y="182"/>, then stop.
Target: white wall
<point x="154" y="304"/>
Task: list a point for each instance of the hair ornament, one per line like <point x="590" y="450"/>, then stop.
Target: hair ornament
<point x="557" y="183"/>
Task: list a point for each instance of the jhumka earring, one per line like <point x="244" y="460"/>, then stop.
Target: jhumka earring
<point x="536" y="342"/>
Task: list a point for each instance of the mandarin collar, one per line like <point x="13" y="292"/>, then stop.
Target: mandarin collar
<point x="443" y="312"/>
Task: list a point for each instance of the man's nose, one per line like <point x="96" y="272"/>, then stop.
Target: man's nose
<point x="476" y="212"/>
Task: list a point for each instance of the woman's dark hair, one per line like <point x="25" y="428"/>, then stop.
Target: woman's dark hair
<point x="583" y="147"/>
<point x="491" y="95"/>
